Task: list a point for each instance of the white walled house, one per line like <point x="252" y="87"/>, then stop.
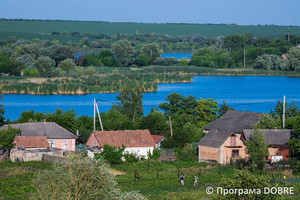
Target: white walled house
<point x="137" y="142"/>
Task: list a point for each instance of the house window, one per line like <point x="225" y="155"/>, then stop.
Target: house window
<point x="235" y="153"/>
<point x="52" y="144"/>
<point x="232" y="140"/>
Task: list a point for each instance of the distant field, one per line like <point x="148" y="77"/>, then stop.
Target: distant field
<point x="40" y="29"/>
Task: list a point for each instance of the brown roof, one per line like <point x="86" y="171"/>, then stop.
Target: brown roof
<point x="157" y="138"/>
<point x="31" y="142"/>
<point x="129" y="138"/>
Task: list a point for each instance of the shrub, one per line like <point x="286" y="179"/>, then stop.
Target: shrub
<point x="79" y="179"/>
<point x="111" y="154"/>
<point x="130" y="158"/>
<point x="31" y="72"/>
<point x="155" y="154"/>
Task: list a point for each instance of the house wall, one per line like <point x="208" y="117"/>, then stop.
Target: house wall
<point x="206" y="153"/>
<point x="227" y="150"/>
<point x="277" y="151"/>
<point x="28" y="156"/>
<point x="59" y="143"/>
<point x="139" y="152"/>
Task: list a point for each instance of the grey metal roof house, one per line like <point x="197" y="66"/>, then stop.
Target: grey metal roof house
<point x="274" y="137"/>
<point x="234" y="121"/>
<point x="50" y="130"/>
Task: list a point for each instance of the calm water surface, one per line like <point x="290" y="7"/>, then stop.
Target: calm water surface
<point x="253" y="93"/>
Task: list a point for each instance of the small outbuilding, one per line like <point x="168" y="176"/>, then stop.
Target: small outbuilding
<point x="137" y="142"/>
<point x="276" y="139"/>
<point x="158" y="139"/>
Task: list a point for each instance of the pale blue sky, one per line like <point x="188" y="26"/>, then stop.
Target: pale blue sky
<point x="244" y="12"/>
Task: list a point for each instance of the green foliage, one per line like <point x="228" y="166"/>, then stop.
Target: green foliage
<point x="8" y="65"/>
<point x="114" y="120"/>
<point x="130" y="103"/>
<point x="224" y="108"/>
<point x="156" y="122"/>
<point x="130" y="158"/>
<point x="60" y="52"/>
<point x="257" y="150"/>
<point x="142" y="60"/>
<point x="154" y="155"/>
<point x="152" y="51"/>
<point x="7" y="137"/>
<point x="184" y="61"/>
<point x="79" y="179"/>
<point x="235" y="42"/>
<point x="67" y="64"/>
<point x="111" y="154"/>
<point x="186" y="153"/>
<point x="123" y="52"/>
<point x="44" y="64"/>
<point x="166" y="61"/>
<point x="31" y="72"/>
<point x="245" y="180"/>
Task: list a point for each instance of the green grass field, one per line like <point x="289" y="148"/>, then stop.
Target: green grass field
<point x="16" y="179"/>
<point x="31" y="29"/>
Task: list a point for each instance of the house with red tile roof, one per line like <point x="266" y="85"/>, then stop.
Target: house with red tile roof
<point x="31" y="142"/>
<point x="158" y="139"/>
<point x="137" y="142"/>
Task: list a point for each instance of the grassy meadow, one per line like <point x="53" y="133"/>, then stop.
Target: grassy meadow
<point x="16" y="179"/>
<point x="30" y="29"/>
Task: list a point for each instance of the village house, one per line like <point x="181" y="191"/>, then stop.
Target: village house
<point x="158" y="139"/>
<point x="29" y="148"/>
<point x="137" y="142"/>
<point x="276" y="139"/>
<point x="57" y="137"/>
<point x="225" y="138"/>
<point x="31" y="142"/>
<point x="222" y="141"/>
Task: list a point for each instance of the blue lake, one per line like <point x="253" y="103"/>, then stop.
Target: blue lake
<point x="253" y="93"/>
<point x="177" y="55"/>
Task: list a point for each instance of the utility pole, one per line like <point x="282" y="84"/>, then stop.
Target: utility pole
<point x="99" y="117"/>
<point x="171" y="126"/>
<point x="244" y="57"/>
<point x="283" y="117"/>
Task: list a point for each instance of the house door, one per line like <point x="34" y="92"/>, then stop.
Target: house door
<point x="65" y="145"/>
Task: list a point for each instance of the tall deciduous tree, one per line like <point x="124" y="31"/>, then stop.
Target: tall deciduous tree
<point x="257" y="150"/>
<point x="156" y="122"/>
<point x="152" y="51"/>
<point x="43" y="65"/>
<point x="7" y="136"/>
<point x="123" y="52"/>
<point x="60" y="52"/>
<point x="130" y="103"/>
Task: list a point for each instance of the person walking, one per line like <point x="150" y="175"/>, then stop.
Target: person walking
<point x="196" y="181"/>
<point x="181" y="179"/>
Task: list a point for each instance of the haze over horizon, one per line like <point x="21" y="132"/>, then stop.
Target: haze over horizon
<point x="241" y="12"/>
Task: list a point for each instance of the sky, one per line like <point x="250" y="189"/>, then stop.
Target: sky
<point x="243" y="12"/>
